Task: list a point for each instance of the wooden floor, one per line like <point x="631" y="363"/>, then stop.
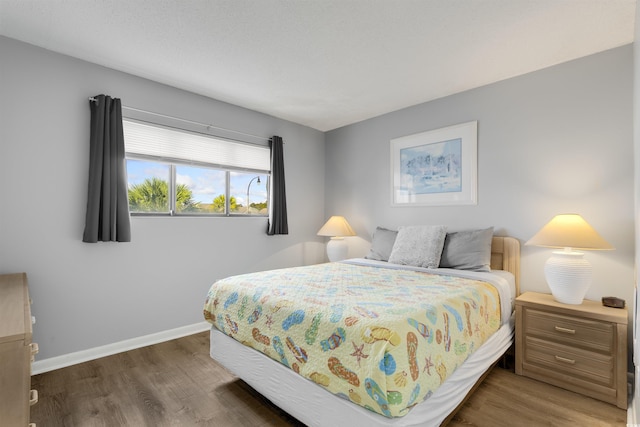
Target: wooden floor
<point x="177" y="384"/>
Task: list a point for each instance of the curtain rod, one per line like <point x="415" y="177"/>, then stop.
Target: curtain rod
<point x="208" y="126"/>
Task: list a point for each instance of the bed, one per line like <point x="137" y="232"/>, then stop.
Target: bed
<point x="365" y="372"/>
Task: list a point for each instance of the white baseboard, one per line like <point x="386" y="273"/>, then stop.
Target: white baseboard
<point x="52" y="363"/>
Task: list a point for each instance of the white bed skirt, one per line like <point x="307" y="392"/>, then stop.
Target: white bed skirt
<point x="316" y="407"/>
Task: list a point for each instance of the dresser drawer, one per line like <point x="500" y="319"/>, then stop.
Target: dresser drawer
<point x="574" y="331"/>
<point x="585" y="365"/>
<point x="15" y="351"/>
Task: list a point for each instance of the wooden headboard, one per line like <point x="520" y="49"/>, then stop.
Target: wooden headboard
<point x="505" y="255"/>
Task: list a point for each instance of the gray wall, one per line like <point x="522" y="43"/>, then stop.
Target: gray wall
<point x="553" y="141"/>
<point x="88" y="295"/>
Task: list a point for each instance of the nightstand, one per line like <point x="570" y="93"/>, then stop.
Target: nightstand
<point x="582" y="348"/>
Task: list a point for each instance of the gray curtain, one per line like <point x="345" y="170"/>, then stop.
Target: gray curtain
<point x="107" y="217"/>
<point x="277" y="223"/>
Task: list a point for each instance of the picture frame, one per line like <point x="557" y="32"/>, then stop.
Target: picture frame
<point x="436" y="168"/>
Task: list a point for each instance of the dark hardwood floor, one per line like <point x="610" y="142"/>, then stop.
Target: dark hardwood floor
<point x="176" y="383"/>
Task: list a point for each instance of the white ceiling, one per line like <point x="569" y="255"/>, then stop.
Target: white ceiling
<point x="322" y="63"/>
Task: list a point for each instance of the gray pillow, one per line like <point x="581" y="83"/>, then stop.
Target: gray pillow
<point x="468" y="250"/>
<point x="381" y="244"/>
<point x="419" y="246"/>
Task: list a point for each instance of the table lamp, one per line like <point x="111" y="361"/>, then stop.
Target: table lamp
<point x="337" y="227"/>
<point x="568" y="274"/>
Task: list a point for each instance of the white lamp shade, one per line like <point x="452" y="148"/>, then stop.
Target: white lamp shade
<point x="569" y="231"/>
<point x="568" y="274"/>
<point x="336" y="227"/>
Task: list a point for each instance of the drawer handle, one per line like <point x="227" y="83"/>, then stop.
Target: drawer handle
<point x="565" y="360"/>
<point x="33" y="397"/>
<point x="565" y="330"/>
<point x="34" y="350"/>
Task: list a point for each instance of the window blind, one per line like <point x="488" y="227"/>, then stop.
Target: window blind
<point x="183" y="146"/>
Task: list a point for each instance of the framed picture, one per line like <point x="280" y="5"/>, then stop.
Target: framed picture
<point x="437" y="167"/>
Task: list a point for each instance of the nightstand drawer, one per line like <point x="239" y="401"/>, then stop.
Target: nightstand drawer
<point x="585" y="365"/>
<point x="580" y="332"/>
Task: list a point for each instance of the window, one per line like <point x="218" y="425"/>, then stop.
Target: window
<point x="176" y="172"/>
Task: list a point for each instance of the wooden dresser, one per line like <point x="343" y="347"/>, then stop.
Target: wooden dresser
<point x="16" y="351"/>
<point x="582" y="348"/>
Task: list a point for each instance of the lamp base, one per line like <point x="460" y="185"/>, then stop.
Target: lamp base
<point x="337" y="249"/>
<point x="568" y="275"/>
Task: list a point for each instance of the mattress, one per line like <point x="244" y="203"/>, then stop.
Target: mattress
<point x="312" y="405"/>
<point x="381" y="394"/>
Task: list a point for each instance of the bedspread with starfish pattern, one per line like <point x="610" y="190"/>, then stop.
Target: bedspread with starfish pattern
<point x="382" y="338"/>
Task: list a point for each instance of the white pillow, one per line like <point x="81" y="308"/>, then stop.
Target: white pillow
<point x="419" y="246"/>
